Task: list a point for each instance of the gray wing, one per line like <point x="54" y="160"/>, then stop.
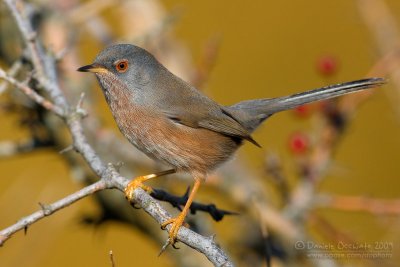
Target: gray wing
<point x="193" y="109"/>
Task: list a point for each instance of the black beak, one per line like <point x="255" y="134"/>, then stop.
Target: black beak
<point x="95" y="68"/>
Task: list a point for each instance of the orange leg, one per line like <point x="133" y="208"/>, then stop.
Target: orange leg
<point x="138" y="182"/>
<point x="178" y="221"/>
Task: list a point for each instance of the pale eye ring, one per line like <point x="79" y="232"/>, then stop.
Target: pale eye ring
<point x="121" y="65"/>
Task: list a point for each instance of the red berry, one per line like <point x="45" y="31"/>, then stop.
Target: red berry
<point x="327" y="65"/>
<point x="298" y="143"/>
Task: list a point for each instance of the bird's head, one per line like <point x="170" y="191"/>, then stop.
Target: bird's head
<point x="123" y="64"/>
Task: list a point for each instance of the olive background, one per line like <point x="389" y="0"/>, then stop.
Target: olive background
<point x="267" y="49"/>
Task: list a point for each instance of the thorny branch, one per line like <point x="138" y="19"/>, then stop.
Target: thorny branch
<point x="32" y="94"/>
<point x="46" y="75"/>
<point x="48" y="209"/>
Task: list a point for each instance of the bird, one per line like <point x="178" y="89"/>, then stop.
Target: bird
<point x="174" y="123"/>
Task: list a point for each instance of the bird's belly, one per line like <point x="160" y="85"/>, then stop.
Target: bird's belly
<point x="194" y="150"/>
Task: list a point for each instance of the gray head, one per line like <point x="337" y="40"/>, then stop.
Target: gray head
<point x="125" y="63"/>
<point x="129" y="72"/>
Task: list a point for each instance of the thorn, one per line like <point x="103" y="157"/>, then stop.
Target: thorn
<point x="80" y="102"/>
<point x="2" y="240"/>
<point x="119" y="165"/>
<point x="82" y="113"/>
<point x="67" y="149"/>
<point x="61" y="54"/>
<point x="25" y="229"/>
<point x="112" y="258"/>
<point x="115" y="167"/>
<point x="164" y="247"/>
<point x="45" y="208"/>
<point x="212" y="237"/>
<point x="110" y="166"/>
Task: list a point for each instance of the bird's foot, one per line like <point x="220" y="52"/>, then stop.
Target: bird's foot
<point x="176" y="222"/>
<point x="135" y="183"/>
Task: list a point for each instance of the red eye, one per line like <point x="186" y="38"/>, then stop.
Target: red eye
<point x="121" y="65"/>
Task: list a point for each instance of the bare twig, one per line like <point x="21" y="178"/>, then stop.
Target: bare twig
<point x="49" y="209"/>
<point x="43" y="63"/>
<point x="382" y="24"/>
<point x="360" y="203"/>
<point x="16" y="66"/>
<point x="32" y="94"/>
<point x="207" y="63"/>
<point x="28" y="34"/>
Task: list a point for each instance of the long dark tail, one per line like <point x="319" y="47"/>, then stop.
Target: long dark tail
<point x="256" y="111"/>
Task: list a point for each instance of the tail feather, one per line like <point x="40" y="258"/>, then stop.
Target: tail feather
<point x="256" y="111"/>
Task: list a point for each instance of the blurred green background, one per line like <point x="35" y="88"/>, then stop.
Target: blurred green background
<point x="267" y="49"/>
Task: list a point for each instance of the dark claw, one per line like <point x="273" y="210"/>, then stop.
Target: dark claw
<point x="175" y="247"/>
